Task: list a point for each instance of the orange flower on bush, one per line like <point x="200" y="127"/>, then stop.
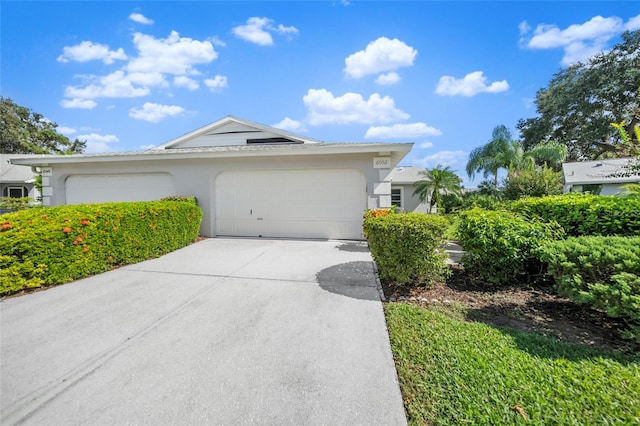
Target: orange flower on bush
<point x="84" y="222"/>
<point x="66" y="230"/>
<point x="6" y="225"/>
<point x="86" y="249"/>
<point x="77" y="240"/>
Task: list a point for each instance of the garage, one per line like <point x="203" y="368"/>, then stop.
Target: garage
<point x="323" y="203"/>
<point x="105" y="188"/>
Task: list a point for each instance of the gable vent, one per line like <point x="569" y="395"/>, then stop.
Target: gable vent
<point x="272" y="141"/>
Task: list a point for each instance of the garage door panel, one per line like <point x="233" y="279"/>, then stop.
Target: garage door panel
<point x="291" y="203"/>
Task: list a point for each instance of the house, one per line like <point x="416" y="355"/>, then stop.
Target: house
<point x="402" y="180"/>
<point x="250" y="180"/>
<point x="17" y="181"/>
<point x="600" y="176"/>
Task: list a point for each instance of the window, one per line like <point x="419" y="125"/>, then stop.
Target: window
<point x="16" y="192"/>
<point x="396" y="197"/>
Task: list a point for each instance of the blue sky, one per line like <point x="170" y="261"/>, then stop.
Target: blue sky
<point x="128" y="75"/>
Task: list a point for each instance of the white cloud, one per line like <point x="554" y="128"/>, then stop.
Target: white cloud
<point x="155" y="113"/>
<point x="324" y="108"/>
<point x="471" y="85"/>
<point x="140" y="19"/>
<point x="256" y="31"/>
<point x="147" y="79"/>
<point x="380" y="56"/>
<point x="217" y="83"/>
<point x="184" y="81"/>
<point x="402" y="131"/>
<point x="579" y="41"/>
<point x="388" y="79"/>
<point x="524" y="27"/>
<point x="98" y="143"/>
<point x="446" y="158"/>
<point x="114" y="85"/>
<point x="172" y="55"/>
<point x="89" y="51"/>
<point x="66" y="130"/>
<point x="290" y="125"/>
<point x="426" y="145"/>
<point x="78" y="103"/>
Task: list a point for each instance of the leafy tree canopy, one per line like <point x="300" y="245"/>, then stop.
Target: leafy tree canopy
<point x="23" y="131"/>
<point x="581" y="101"/>
<point x="436" y="182"/>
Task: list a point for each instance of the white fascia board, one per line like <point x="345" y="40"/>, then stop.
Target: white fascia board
<point x="398" y="151"/>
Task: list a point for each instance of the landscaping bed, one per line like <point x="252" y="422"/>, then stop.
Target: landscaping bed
<point x="524" y="309"/>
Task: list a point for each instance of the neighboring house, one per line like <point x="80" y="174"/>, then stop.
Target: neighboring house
<point x="17" y="181"/>
<point x="250" y="180"/>
<point x="402" y="180"/>
<point x="600" y="176"/>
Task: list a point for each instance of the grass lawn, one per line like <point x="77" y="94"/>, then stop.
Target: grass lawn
<point x="456" y="372"/>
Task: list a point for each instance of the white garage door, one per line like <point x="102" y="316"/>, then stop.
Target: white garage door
<point x="81" y="189"/>
<point x="291" y="203"/>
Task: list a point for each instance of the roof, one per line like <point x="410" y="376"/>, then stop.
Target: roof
<point x="396" y="150"/>
<point x="180" y="148"/>
<point x="211" y="128"/>
<point x="598" y="172"/>
<point x="405" y="175"/>
<point x="12" y="173"/>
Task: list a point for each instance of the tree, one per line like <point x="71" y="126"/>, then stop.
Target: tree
<point x="498" y="153"/>
<point x="436" y="182"/>
<point x="581" y="100"/>
<point x="23" y="131"/>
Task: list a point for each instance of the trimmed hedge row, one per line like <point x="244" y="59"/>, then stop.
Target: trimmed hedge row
<point x="54" y="245"/>
<point x="585" y="214"/>
<point x="500" y="247"/>
<point x="407" y="247"/>
<point x="603" y="272"/>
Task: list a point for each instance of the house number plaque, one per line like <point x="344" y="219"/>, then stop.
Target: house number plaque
<point x="382" y="163"/>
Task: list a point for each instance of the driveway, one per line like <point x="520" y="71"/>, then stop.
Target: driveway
<point x="225" y="331"/>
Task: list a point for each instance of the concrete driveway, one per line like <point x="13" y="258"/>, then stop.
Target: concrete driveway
<point x="225" y="331"/>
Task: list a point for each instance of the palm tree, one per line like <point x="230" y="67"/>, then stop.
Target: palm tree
<point x="436" y="182"/>
<point x="497" y="154"/>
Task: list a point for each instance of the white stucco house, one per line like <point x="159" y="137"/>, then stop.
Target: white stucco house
<point x="403" y="179"/>
<point x="17" y="181"/>
<point x="599" y="175"/>
<point x="250" y="179"/>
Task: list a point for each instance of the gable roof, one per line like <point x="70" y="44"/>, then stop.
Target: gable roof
<point x="598" y="172"/>
<point x="233" y="125"/>
<point x="12" y="173"/>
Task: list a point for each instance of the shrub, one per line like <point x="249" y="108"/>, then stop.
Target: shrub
<point x="603" y="272"/>
<point x="184" y="198"/>
<point x="532" y="183"/>
<point x="54" y="245"/>
<point x="378" y="212"/>
<point x="407" y="248"/>
<point x="585" y="214"/>
<point x="500" y="247"/>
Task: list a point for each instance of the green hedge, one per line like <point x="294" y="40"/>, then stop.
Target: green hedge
<point x="407" y="248"/>
<point x="585" y="214"/>
<point x="54" y="245"/>
<point x="603" y="272"/>
<point x="500" y="247"/>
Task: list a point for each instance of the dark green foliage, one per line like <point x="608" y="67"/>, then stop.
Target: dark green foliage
<point x="23" y="131"/>
<point x="54" y="245"/>
<point x="585" y="214"/>
<point x="407" y="248"/>
<point x="500" y="246"/>
<point x="14" y="204"/>
<point x="580" y="103"/>
<point x="532" y="183"/>
<point x="603" y="272"/>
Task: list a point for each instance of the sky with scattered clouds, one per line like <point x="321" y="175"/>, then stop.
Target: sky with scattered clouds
<point x="131" y="75"/>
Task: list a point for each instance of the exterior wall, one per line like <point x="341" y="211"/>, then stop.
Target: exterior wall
<point x="32" y="192"/>
<point x="410" y="202"/>
<point x="607" y="188"/>
<point x="196" y="177"/>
